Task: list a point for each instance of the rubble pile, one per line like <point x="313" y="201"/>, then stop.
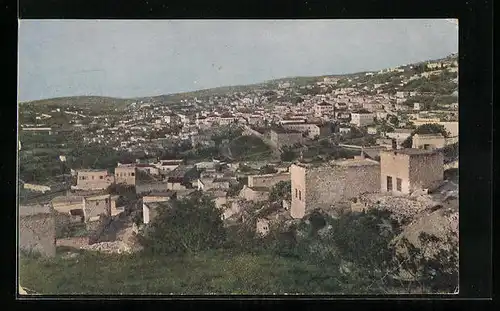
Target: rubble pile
<point x="402" y="208"/>
<point x="452" y="219"/>
<point x="117" y="247"/>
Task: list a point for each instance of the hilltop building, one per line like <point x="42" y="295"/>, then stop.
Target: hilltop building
<point x="407" y="170"/>
<point x="428" y="141"/>
<point x="321" y="186"/>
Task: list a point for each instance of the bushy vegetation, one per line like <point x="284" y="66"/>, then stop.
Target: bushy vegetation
<point x="189" y="251"/>
<point x="185" y="226"/>
<point x="431" y="128"/>
<point x="249" y="148"/>
<point x="281" y="191"/>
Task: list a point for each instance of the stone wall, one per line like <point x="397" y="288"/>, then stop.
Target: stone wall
<point x="254" y="195"/>
<point x="286" y="139"/>
<point x="148" y="187"/>
<point x="37" y="230"/>
<point x="426" y="171"/>
<point x="267" y="180"/>
<point x="395" y="165"/>
<point x="326" y="185"/>
<point x="96" y="229"/>
<point x="94" y="208"/>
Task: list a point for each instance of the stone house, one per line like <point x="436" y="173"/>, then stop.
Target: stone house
<point x="219" y="197"/>
<point x="400" y="135"/>
<point x="125" y="174"/>
<point x="324" y="185"/>
<point x="312" y="130"/>
<point x="425" y="141"/>
<point x="267" y="180"/>
<point x="64" y="204"/>
<point x="386" y="143"/>
<point x="361" y="119"/>
<point x="323" y="108"/>
<point x="168" y="165"/>
<point x="256" y="194"/>
<point x="95" y="206"/>
<point x="175" y="183"/>
<point x="93" y="179"/>
<point x="282" y="138"/>
<point x="407" y="170"/>
<point x="37" y="229"/>
<point x="149" y="206"/>
<point x="148" y="168"/>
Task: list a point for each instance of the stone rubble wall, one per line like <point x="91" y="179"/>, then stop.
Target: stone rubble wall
<point x="38" y="233"/>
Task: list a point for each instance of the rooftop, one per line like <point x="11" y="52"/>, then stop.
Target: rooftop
<point x="259" y="189"/>
<point x="412" y="151"/>
<point x="403" y="131"/>
<point x="98" y="197"/>
<point x="89" y="170"/>
<point x="167" y="193"/>
<point x="430" y="135"/>
<point x="355" y="162"/>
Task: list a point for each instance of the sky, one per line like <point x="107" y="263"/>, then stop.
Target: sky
<point x="135" y="58"/>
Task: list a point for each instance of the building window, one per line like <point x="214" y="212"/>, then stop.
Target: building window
<point x="296" y="193"/>
<point x="389" y="183"/>
<point x="101" y="177"/>
<point x="398" y="184"/>
<point x="132" y="174"/>
<point x="97" y="203"/>
<point x="92" y="177"/>
<point x="106" y="201"/>
<point x="300" y="195"/>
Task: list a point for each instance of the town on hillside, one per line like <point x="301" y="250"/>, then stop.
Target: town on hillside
<point x="268" y="158"/>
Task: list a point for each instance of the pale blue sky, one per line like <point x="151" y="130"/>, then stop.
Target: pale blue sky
<point x="135" y="58"/>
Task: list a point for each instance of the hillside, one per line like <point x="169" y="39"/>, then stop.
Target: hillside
<point x="111" y="102"/>
<point x="82" y="102"/>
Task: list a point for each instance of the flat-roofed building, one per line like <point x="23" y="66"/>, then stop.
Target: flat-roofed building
<point x="96" y="206"/>
<point x="93" y="179"/>
<point x="321" y="186"/>
<point x="407" y="170"/>
<point x="125" y="174"/>
<point x="428" y="141"/>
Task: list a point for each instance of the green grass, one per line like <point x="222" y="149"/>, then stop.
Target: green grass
<point x="209" y="272"/>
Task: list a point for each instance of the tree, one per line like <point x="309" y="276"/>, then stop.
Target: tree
<point x="186" y="226"/>
<point x="393" y="120"/>
<point x="435" y="272"/>
<point x="429" y="128"/>
<point x="364" y="238"/>
<point x="267" y="169"/>
<point x="432" y="128"/>
<point x="281" y="191"/>
<point x="288" y="155"/>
